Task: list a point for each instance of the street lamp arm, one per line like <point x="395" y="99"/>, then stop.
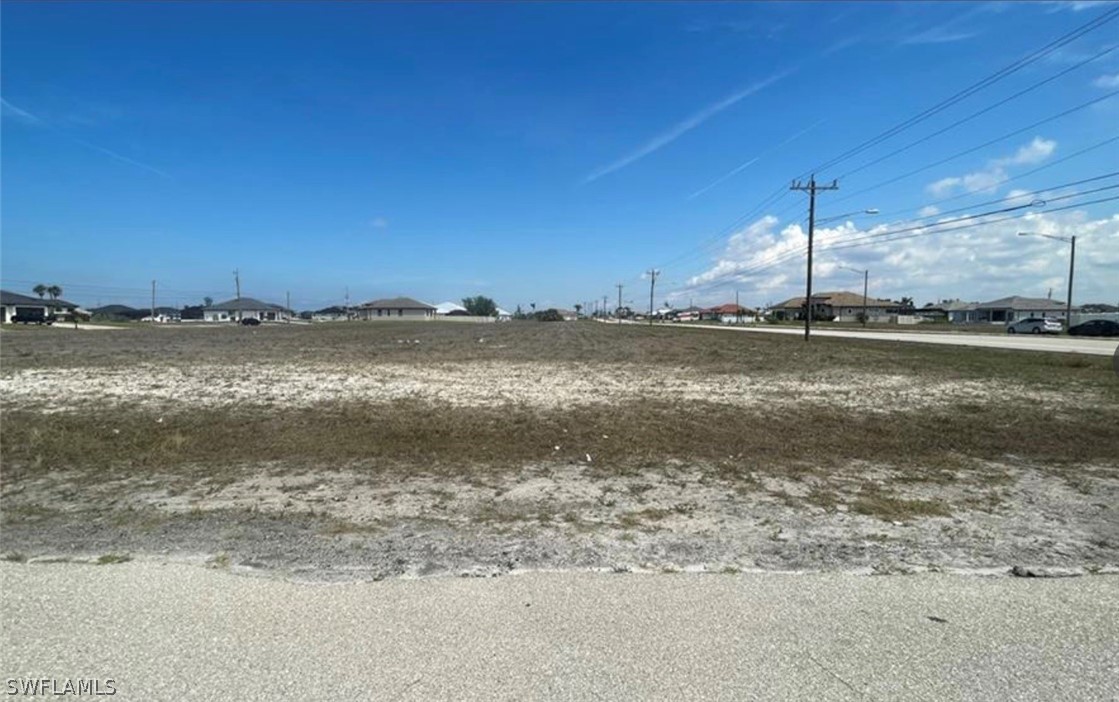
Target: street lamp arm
<point x="1065" y="239"/>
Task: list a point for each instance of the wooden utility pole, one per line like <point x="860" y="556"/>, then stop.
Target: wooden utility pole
<point x="289" y="305"/>
<point x="153" y="302"/>
<point x="653" y="273"/>
<point x="811" y="188"/>
<point x="237" y="279"/>
<point x="619" y="287"/>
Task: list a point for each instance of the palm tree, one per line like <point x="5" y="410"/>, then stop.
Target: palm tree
<point x="578" y="309"/>
<point x="54" y="292"/>
<point x="39" y="290"/>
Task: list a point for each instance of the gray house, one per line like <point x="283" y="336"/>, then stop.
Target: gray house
<point x="12" y="304"/>
<point x="244" y="308"/>
<point x="1015" y="307"/>
<point x="396" y="308"/>
<point x="954" y="311"/>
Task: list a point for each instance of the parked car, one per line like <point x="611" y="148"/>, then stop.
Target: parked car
<point x="33" y="319"/>
<point x="1096" y="327"/>
<point x="1034" y="325"/>
<point x="250" y="321"/>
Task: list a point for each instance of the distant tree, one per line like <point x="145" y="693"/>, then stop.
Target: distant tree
<point x="208" y="301"/>
<point x="39" y="290"/>
<point x="519" y="313"/>
<point x="578" y="309"/>
<point x="191" y="312"/>
<point x="907" y="303"/>
<point x="480" y="306"/>
<point x="54" y="292"/>
<point x="548" y="315"/>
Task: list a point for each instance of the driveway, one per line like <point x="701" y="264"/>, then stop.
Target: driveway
<point x="171" y="631"/>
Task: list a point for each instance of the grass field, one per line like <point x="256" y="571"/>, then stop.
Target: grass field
<point x="596" y="444"/>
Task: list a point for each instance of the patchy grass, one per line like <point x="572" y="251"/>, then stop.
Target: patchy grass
<point x="888" y="508"/>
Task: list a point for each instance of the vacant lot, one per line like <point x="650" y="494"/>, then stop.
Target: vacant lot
<point x="371" y="450"/>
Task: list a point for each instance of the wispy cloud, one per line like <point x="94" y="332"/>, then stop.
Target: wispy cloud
<point x="32" y="119"/>
<point x="1107" y="81"/>
<point x="675" y="132"/>
<point x="937" y="35"/>
<point x="995" y="172"/>
<point x="743" y="166"/>
<point x="379" y="223"/>
<point x="19" y="113"/>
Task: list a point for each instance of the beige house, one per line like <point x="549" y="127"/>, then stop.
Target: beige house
<point x="244" y="308"/>
<point x="403" y="308"/>
<point x="839" y="306"/>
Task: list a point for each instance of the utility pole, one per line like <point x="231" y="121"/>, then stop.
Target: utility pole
<point x="866" y="280"/>
<point x="237" y="279"/>
<point x="811" y="188"/>
<point x="619" y="287"/>
<point x="1068" y="302"/>
<point x="347" y="303"/>
<point x="653" y="273"/>
<point x="289" y="305"/>
<point x="153" y="302"/>
<point x="604" y="304"/>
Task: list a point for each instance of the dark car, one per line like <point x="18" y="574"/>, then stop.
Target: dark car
<point x="250" y="321"/>
<point x="1096" y="327"/>
<point x="33" y="319"/>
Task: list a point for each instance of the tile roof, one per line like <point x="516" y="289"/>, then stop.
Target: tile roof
<point x="397" y="303"/>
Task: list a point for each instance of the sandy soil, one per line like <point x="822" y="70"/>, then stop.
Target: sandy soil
<point x="356" y="523"/>
<point x="493" y="384"/>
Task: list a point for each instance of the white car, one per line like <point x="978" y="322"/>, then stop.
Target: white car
<point x="1034" y="325"/>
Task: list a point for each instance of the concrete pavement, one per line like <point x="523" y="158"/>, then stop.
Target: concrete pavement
<point x="1018" y="342"/>
<point x="176" y="631"/>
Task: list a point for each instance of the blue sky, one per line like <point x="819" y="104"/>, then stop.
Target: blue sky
<point x="537" y="152"/>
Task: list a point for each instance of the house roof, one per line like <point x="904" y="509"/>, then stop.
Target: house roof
<point x="8" y="297"/>
<point x="242" y="304"/>
<point x="447" y="307"/>
<point x="730" y="308"/>
<point x="397" y="303"/>
<point x="951" y="306"/>
<point x="1017" y="302"/>
<point x="835" y="299"/>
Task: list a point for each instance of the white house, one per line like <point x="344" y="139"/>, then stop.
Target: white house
<point x="244" y="308"/>
<point x="12" y="304"/>
<point x="404" y="308"/>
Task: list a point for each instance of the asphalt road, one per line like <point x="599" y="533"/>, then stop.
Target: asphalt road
<point x="1020" y="342"/>
<point x="176" y="631"/>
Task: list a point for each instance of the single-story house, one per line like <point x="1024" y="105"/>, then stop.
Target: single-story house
<point x="244" y="308"/>
<point x="12" y="303"/>
<point x="839" y="306"/>
<point x="164" y="315"/>
<point x="396" y="308"/>
<point x="731" y="313"/>
<point x="1008" y="309"/>
<point x="568" y="315"/>
<point x="503" y="315"/>
<point x="953" y="311"/>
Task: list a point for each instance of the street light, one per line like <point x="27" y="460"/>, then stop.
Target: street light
<point x="869" y="211"/>
<point x="866" y="279"/>
<point x="1071" y="266"/>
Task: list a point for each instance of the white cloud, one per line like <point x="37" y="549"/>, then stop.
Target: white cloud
<point x="379" y="223"/>
<point x="995" y="171"/>
<point x="980" y="263"/>
<point x="1035" y="152"/>
<point x="1107" y="81"/>
<point x="929" y="211"/>
<point x="19" y="113"/>
<point x="676" y="131"/>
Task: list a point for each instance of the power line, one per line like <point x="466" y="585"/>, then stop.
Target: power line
<point x="995" y="77"/>
<point x="973" y="115"/>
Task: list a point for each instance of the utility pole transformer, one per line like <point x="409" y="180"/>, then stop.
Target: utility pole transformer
<point x="811" y="188"/>
<point x="653" y="273"/>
